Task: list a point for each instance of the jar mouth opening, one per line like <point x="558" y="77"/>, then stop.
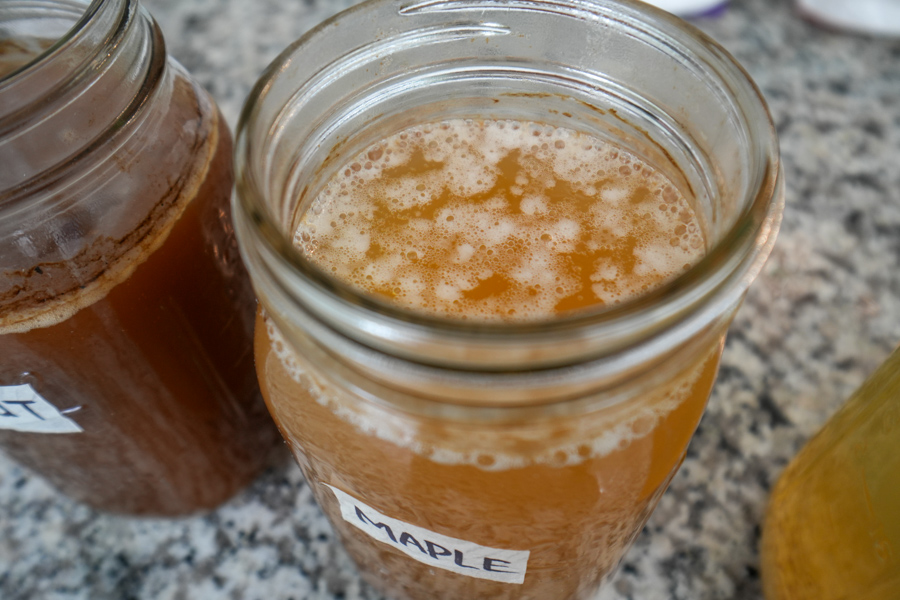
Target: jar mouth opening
<point x="75" y="14"/>
<point x="731" y="262"/>
<point x="99" y="45"/>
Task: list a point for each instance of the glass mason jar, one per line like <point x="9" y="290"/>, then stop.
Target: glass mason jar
<point x="126" y="377"/>
<point x="470" y="459"/>
<point x="832" y="529"/>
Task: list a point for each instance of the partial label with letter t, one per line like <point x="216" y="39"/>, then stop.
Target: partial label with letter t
<point x="435" y="549"/>
<point x="23" y="409"/>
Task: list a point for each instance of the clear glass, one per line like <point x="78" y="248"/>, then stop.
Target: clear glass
<point x="125" y="313"/>
<point x="443" y="450"/>
<point x="832" y="529"/>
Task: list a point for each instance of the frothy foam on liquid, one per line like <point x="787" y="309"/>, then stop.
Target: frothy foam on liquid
<point x="499" y="220"/>
<point x="115" y="263"/>
<point x="623" y="424"/>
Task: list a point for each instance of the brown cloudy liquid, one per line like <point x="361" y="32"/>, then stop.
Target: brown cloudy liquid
<point x="493" y="220"/>
<point x="144" y="339"/>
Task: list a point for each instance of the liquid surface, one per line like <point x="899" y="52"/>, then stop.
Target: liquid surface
<point x="492" y="220"/>
<point x="500" y="220"/>
<point x="85" y="242"/>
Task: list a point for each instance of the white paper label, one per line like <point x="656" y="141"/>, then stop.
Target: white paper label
<point x="434" y="549"/>
<point x="23" y="409"/>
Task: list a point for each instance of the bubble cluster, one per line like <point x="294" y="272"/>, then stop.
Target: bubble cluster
<point x="599" y="435"/>
<point x="483" y="219"/>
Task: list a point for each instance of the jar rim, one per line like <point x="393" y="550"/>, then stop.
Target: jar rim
<point x="80" y="20"/>
<point x="720" y="276"/>
<point x="100" y="38"/>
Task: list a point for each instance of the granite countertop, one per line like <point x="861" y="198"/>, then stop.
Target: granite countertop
<point x="823" y="314"/>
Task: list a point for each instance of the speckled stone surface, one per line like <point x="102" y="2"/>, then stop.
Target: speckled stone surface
<point x="823" y="314"/>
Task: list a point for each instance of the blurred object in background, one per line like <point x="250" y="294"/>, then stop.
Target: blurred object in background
<point x="879" y="17"/>
<point x="832" y="530"/>
<point x="690" y="8"/>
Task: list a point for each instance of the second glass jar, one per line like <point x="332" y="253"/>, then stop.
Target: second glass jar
<point x="126" y="376"/>
<point x="467" y="458"/>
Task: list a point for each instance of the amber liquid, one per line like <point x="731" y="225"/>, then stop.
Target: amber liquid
<point x="832" y="529"/>
<point x="159" y="371"/>
<point x="571" y="490"/>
